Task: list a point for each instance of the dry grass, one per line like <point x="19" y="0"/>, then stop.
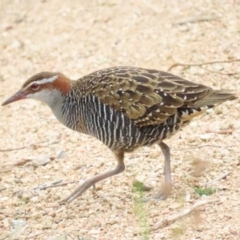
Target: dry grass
<point x="77" y="37"/>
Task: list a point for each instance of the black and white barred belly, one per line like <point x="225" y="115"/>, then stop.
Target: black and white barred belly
<point x="113" y="128"/>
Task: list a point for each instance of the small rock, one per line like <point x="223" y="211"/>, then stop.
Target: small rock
<point x="210" y="110"/>
<point x="154" y="154"/>
<point x="40" y="161"/>
<point x="47" y="224"/>
<point x="193" y="124"/>
<point x="52" y="213"/>
<point x="177" y="230"/>
<point x="112" y="221"/>
<point x="94" y="231"/>
<point x="218" y="67"/>
<point x="175" y="205"/>
<point x="188" y="197"/>
<point x="184" y="28"/>
<point x="34" y="199"/>
<point x="18" y="180"/>
<point x="236" y="125"/>
<point x="18" y="223"/>
<point x="61" y="154"/>
<point x="139" y="178"/>
<point x="21" y="194"/>
<point x="205" y="137"/>
<point x="3" y="199"/>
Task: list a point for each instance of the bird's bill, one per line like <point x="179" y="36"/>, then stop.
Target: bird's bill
<point x="16" y="97"/>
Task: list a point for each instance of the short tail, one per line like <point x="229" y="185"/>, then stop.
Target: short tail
<point x="212" y="99"/>
<point x="216" y="97"/>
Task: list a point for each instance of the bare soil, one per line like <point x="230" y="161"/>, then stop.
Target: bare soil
<point x="77" y="37"/>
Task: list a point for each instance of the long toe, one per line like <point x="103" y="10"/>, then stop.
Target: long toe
<point x="77" y="193"/>
<point x="164" y="192"/>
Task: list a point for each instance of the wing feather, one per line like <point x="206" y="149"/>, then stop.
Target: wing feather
<point x="146" y="96"/>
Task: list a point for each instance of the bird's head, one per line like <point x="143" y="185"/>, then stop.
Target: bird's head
<point x="45" y="86"/>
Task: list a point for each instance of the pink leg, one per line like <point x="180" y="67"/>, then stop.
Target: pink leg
<point x="92" y="181"/>
<point x="167" y="186"/>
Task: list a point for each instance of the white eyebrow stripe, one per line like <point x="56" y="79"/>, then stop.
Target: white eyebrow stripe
<point x="43" y="81"/>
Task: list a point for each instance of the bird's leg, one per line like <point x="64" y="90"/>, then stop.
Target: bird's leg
<point x="93" y="180"/>
<point x="167" y="186"/>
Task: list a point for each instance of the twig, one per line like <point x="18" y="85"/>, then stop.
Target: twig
<point x="203" y="146"/>
<point x="5" y="171"/>
<point x="197" y="19"/>
<point x="222" y="176"/>
<point x="221" y="73"/>
<point x="21" y="162"/>
<point x="54" y="184"/>
<point x="186" y="212"/>
<point x="201" y="64"/>
<point x="221" y="131"/>
<point x="13" y="149"/>
<point x="20" y="148"/>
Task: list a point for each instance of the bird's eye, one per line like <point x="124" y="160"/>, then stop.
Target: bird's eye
<point x="34" y="86"/>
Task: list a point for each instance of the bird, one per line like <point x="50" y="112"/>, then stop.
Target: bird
<point x="125" y="108"/>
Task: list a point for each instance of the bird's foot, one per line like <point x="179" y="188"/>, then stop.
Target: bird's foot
<point x="78" y="192"/>
<point x="161" y="195"/>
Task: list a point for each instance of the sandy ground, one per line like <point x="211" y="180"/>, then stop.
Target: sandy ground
<point x="77" y="37"/>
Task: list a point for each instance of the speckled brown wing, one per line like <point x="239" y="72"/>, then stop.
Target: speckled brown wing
<point x="146" y="96"/>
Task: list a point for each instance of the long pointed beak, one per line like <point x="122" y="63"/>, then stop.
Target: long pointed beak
<point x="16" y="97"/>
